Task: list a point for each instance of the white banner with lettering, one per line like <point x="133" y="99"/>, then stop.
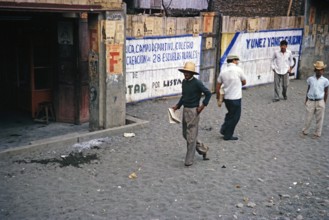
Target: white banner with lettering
<point x="152" y="65"/>
<point x="256" y="50"/>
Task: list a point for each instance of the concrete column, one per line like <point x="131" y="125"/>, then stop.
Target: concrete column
<point x="95" y="94"/>
<point x="115" y="98"/>
<point x="107" y="72"/>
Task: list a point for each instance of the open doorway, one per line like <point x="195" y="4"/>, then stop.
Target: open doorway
<point x="26" y="63"/>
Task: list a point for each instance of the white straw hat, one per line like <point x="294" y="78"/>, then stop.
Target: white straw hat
<point x="319" y="65"/>
<point x="189" y="67"/>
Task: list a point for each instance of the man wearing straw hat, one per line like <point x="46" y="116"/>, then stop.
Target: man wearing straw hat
<point x="192" y="89"/>
<point x="316" y="98"/>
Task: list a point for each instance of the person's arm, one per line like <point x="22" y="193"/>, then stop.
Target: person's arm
<point x="273" y="64"/>
<point x="200" y="108"/>
<point x="243" y="78"/>
<point x="291" y="63"/>
<point x="308" y="88"/>
<point x="179" y="104"/>
<point x="218" y="86"/>
<point x="325" y="94"/>
<point x="206" y="99"/>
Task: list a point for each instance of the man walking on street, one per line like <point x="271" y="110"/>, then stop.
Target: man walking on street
<point x="282" y="64"/>
<point x="316" y="98"/>
<point x="232" y="79"/>
<point x="192" y="89"/>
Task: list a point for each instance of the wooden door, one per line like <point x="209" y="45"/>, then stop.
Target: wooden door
<point x="41" y="71"/>
<point x="35" y="68"/>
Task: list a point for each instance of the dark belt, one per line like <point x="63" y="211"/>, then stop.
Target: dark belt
<point x="315" y="99"/>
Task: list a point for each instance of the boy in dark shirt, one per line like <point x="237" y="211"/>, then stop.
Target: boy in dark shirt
<point x="192" y="89"/>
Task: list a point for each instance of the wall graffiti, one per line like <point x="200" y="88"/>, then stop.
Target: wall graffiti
<point x="152" y="65"/>
<point x="256" y="50"/>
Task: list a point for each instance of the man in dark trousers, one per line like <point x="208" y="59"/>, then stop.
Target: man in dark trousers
<point x="192" y="89"/>
<point x="232" y="78"/>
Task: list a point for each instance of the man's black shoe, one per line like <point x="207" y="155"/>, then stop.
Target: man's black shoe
<point x="205" y="157"/>
<point x="199" y="151"/>
<point x="231" y="138"/>
<point x="276" y="100"/>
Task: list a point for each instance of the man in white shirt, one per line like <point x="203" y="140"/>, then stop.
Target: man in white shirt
<point x="316" y="98"/>
<point x="232" y="79"/>
<point x="282" y="63"/>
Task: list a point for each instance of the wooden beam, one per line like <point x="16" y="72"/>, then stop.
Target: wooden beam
<point x="289" y="8"/>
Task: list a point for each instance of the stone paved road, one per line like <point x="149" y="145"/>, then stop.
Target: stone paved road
<point x="272" y="172"/>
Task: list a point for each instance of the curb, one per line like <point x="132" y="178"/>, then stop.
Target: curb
<point x="73" y="138"/>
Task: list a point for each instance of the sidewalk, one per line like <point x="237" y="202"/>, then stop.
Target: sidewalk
<point x="271" y="172"/>
<point x="23" y="133"/>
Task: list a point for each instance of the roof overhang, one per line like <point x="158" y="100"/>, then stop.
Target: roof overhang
<point x="49" y="7"/>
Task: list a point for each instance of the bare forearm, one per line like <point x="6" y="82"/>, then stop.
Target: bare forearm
<point x="218" y="90"/>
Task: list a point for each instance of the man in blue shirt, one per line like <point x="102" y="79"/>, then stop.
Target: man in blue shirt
<point x="316" y="98"/>
<point x="192" y="89"/>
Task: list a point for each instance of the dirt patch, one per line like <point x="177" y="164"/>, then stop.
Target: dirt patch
<point x="73" y="159"/>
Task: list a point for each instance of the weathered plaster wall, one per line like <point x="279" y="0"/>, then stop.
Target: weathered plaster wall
<point x="316" y="36"/>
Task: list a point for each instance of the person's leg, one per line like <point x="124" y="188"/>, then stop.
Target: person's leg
<point x="235" y="111"/>
<point x="319" y="117"/>
<point x="227" y="119"/>
<point x="222" y="128"/>
<point x="310" y="108"/>
<point x="276" y="86"/>
<point x="202" y="149"/>
<point x="192" y="123"/>
<point x="184" y="125"/>
<point x="285" y="83"/>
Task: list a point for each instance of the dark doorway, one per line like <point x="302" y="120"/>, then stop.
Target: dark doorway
<point x="26" y="61"/>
